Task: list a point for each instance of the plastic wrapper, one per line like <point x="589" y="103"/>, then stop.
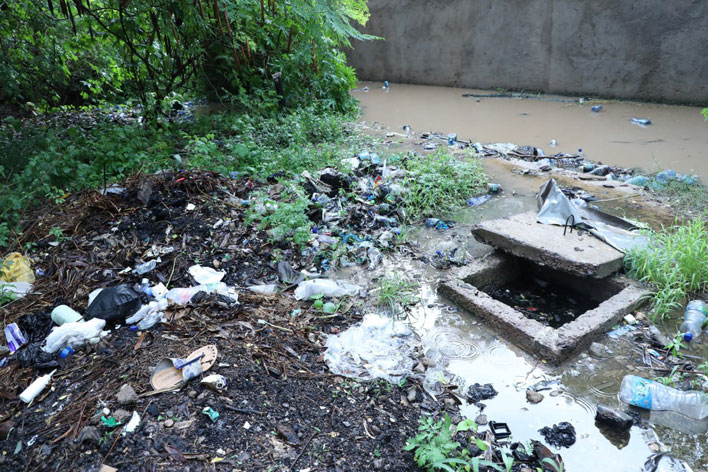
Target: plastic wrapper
<point x="377" y="347"/>
<point x="326" y="287"/>
<point x="74" y="334"/>
<point x="16" y="268"/>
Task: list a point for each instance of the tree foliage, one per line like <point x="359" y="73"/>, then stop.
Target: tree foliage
<point x="155" y="48"/>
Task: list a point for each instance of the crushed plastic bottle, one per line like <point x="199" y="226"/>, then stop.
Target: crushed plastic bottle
<point x="693" y="319"/>
<point x="641" y="121"/>
<point x="596" y="108"/>
<point x="325" y="287"/>
<point x="145" y="267"/>
<point x="652" y="395"/>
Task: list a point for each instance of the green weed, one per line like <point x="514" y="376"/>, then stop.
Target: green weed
<point x="396" y="291"/>
<point x="674" y="263"/>
<point x="685" y="199"/>
<point x="284" y="219"/>
<point x="440" y="181"/>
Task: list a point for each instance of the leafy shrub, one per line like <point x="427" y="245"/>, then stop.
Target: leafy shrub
<point x="675" y="263"/>
<point x="284" y="219"/>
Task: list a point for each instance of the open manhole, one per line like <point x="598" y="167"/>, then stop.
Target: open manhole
<point x="551" y="297"/>
<point x="550" y="294"/>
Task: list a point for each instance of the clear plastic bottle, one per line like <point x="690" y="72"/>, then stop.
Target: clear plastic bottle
<point x="652" y="395"/>
<point x="693" y="319"/>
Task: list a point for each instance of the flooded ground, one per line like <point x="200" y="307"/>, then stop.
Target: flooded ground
<point x="677" y="138"/>
<point x="467" y="352"/>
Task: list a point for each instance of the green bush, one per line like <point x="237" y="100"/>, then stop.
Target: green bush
<point x="675" y="264"/>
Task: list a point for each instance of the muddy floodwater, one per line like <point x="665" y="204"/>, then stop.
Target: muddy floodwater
<point x="677" y="138"/>
<point x="467" y="352"/>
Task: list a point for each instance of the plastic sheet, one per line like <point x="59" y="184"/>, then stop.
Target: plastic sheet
<point x="206" y="275"/>
<point x="556" y="209"/>
<point x="377" y="347"/>
<point x="326" y="287"/>
<point x="74" y="334"/>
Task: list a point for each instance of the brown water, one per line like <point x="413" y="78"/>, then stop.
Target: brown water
<point x="677" y="138"/>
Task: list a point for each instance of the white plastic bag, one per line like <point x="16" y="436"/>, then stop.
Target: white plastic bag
<point x="206" y="275"/>
<point x="326" y="287"/>
<point x="74" y="334"/>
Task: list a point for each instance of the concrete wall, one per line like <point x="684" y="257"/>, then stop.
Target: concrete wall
<point x="653" y="50"/>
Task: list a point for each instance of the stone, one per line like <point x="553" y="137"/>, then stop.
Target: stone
<point x="126" y="395"/>
<point x="169" y="423"/>
<point x="613" y="418"/>
<point x="533" y="396"/>
<point x="121" y="414"/>
<point x="420" y="368"/>
<point x="192" y="394"/>
<point x="481" y="420"/>
<point x="153" y="410"/>
<point x="412" y="394"/>
<point x="89" y="434"/>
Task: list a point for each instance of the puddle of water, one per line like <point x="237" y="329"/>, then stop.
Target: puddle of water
<point x="676" y="139"/>
<point x="468" y="353"/>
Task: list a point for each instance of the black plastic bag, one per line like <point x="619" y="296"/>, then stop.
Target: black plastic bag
<point x="115" y="304"/>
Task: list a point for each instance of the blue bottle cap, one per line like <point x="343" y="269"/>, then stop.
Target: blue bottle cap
<point x="687" y="336"/>
<point x="66" y="352"/>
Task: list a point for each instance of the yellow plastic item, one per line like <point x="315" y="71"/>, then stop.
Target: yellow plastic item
<point x="16" y="268"/>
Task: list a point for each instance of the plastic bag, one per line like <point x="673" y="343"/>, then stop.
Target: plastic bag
<point x="114" y="304"/>
<point x="326" y="287"/>
<point x="16" y="268"/>
<point x="377" y="347"/>
<point x="206" y="275"/>
<point x="183" y="295"/>
<point x="74" y="334"/>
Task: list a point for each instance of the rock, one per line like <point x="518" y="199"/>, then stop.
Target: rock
<point x="412" y="394"/>
<point x="287" y="433"/>
<point x="613" y="418"/>
<point x="450" y="403"/>
<point x="533" y="396"/>
<point x="481" y="420"/>
<point x="153" y="410"/>
<point x="90" y="434"/>
<point x="428" y="362"/>
<point x="120" y="414"/>
<point x="126" y="395"/>
<point x="599" y="351"/>
<point x="378" y="463"/>
<point x="420" y="368"/>
<point x="192" y="394"/>
<point x="169" y="423"/>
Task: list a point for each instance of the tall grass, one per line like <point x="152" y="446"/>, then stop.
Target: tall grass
<point x="675" y="264"/>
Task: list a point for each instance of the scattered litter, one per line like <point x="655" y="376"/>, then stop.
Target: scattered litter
<point x="476" y="201"/>
<point x="133" y="424"/>
<point x="215" y="382"/>
<point x="476" y="393"/>
<point x="211" y="413"/>
<point x="36" y="387"/>
<point x="376" y="347"/>
<point x="171" y="372"/>
<point x="265" y="289"/>
<point x="641" y="121"/>
<point x="596" y="108"/>
<point x="15" y="338"/>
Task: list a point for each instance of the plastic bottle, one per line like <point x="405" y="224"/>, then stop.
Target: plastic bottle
<point x="36" y="387"/>
<point x="693" y="319"/>
<point x="64" y="314"/>
<point x="652" y="395"/>
<point x="145" y="267"/>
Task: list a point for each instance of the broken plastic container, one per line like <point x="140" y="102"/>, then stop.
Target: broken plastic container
<point x="64" y="314"/>
<point x="14" y="336"/>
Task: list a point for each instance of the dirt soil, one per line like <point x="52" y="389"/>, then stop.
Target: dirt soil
<point x="281" y="410"/>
